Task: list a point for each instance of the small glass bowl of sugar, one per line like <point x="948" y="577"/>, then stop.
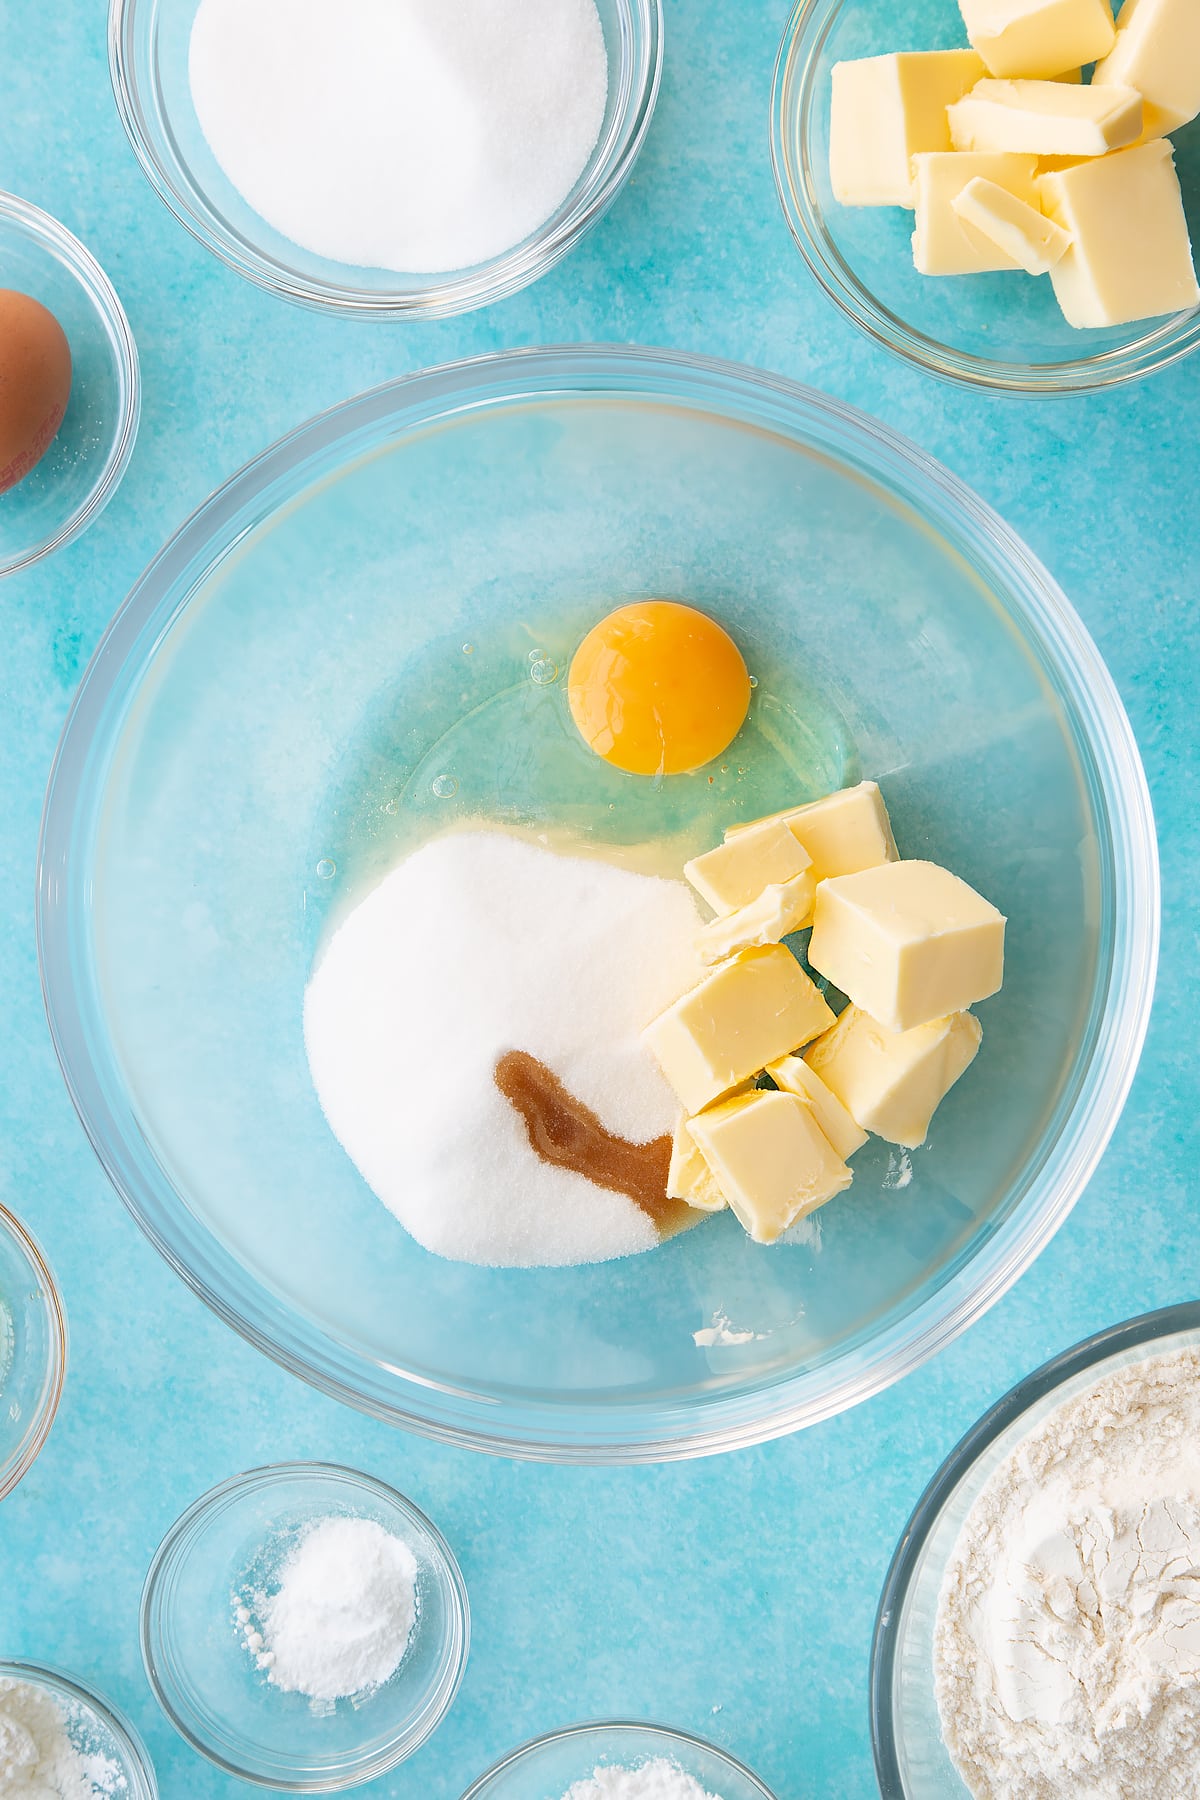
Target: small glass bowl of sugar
<point x="429" y="184"/>
<point x="234" y="1623"/>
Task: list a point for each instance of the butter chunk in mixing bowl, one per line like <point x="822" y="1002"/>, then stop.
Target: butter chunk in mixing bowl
<point x="1046" y="118"/>
<point x="943" y="242"/>
<point x="907" y="942"/>
<point x="747" y="1013"/>
<point x="894" y="1082"/>
<point x="1157" y="51"/>
<point x="771" y="1159"/>
<point x="842" y="833"/>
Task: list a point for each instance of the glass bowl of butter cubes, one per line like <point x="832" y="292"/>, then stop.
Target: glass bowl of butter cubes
<point x="999" y="191"/>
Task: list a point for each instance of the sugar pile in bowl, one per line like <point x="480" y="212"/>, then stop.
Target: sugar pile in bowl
<point x="654" y="1780"/>
<point x="401" y="134"/>
<point x="40" y="1750"/>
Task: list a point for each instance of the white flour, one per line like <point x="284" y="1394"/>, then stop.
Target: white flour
<point x="401" y="134"/>
<point x="39" y="1759"/>
<point x="481" y="943"/>
<point x="656" y="1780"/>
<point x="341" y="1618"/>
<point x="1067" y="1650"/>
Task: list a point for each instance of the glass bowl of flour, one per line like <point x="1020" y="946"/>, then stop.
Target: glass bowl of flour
<point x="33" y="1351"/>
<point x="387" y="158"/>
<point x="1039" y="1631"/>
<point x="58" y="1736"/>
<point x="331" y="662"/>
<point x="618" y="1761"/>
<point x="305" y="1627"/>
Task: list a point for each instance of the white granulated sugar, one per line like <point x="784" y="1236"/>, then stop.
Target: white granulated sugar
<point x="416" y="135"/>
<point x="341" y="1618"/>
<point x="42" y="1759"/>
<point x="478" y="944"/>
<point x="1067" y="1650"/>
<point x="655" y="1780"/>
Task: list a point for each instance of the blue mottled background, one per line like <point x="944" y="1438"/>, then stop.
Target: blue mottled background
<point x="734" y="1597"/>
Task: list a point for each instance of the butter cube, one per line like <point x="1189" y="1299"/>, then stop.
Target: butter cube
<point x="907" y="942"/>
<point x="772" y="1160"/>
<point x="894" y="1082"/>
<point x="842" y="833"/>
<point x="689" y="1177"/>
<point x="1022" y="232"/>
<point x="748" y="1012"/>
<point x="736" y="872"/>
<point x="782" y="907"/>
<point x="944" y="244"/>
<point x="1130" y="256"/>
<point x="1046" y="118"/>
<point x="1038" y="37"/>
<point x="1157" y="51"/>
<point x="794" y="1076"/>
<point x="885" y="109"/>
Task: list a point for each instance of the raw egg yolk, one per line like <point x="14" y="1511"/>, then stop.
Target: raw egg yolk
<point x="658" y="688"/>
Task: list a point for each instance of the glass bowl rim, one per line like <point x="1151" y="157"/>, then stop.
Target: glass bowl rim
<point x="456" y="1645"/>
<point x="669" y="1733"/>
<point x="75" y="256"/>
<point x="792" y="95"/>
<point x="635" y="1431"/>
<point x="73" y="1687"/>
<point x="1146" y="1329"/>
<point x="457" y="291"/>
<point x="34" y="1440"/>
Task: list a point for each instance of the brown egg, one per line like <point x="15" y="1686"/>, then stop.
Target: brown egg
<point x="35" y="384"/>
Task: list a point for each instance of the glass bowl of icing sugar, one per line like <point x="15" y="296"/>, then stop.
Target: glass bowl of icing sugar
<point x="350" y="666"/>
<point x="615" y="1760"/>
<point x="391" y="160"/>
<point x="305" y="1627"/>
<point x="33" y="1350"/>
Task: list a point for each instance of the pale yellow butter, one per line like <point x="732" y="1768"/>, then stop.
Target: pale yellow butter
<point x="1130" y="256"/>
<point x="1046" y="118"/>
<point x="944" y="243"/>
<point x="842" y="833"/>
<point x="748" y="1012"/>
<point x="794" y="1076"/>
<point x="781" y="908"/>
<point x="773" y="1162"/>
<point x="689" y="1177"/>
<point x="907" y="942"/>
<point x="893" y="1082"/>
<point x="764" y="855"/>
<point x="884" y="110"/>
<point x="1038" y="37"/>
<point x="1157" y="51"/>
<point x="1028" y="236"/>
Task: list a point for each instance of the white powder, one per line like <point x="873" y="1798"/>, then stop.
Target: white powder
<point x="418" y="135"/>
<point x="340" y="1621"/>
<point x="45" y="1752"/>
<point x="478" y="944"/>
<point x="1067" y="1651"/>
<point x="656" y="1780"/>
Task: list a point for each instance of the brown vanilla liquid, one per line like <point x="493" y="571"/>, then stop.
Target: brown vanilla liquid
<point x="568" y="1135"/>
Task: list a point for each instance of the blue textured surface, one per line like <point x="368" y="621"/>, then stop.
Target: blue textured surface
<point x="732" y="1597"/>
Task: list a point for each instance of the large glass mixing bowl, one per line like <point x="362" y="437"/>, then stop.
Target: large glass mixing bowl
<point x="232" y="753"/>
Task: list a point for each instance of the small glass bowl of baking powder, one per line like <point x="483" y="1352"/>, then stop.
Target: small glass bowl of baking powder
<point x="113" y="1754"/>
<point x="554" y="1764"/>
<point x="911" y="1760"/>
<point x="200" y="1658"/>
<point x="149" y="62"/>
<point x="33" y="1351"/>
